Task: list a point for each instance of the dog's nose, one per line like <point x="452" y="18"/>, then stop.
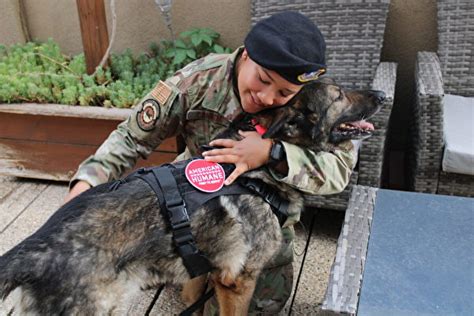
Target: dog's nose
<point x="379" y="96"/>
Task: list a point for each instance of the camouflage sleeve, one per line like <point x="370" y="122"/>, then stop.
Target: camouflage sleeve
<point x="318" y="173"/>
<point x="154" y="118"/>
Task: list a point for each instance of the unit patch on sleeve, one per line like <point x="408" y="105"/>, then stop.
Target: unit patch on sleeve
<point x="148" y="115"/>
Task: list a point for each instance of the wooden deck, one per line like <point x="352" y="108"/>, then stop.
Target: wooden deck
<point x="26" y="204"/>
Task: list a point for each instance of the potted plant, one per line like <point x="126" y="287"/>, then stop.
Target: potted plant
<point x="53" y="115"/>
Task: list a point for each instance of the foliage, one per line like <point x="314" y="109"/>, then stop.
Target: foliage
<point x="39" y="72"/>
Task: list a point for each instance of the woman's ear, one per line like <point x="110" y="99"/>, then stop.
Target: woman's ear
<point x="245" y="54"/>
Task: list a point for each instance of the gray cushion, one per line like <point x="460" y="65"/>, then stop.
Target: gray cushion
<point x="458" y="134"/>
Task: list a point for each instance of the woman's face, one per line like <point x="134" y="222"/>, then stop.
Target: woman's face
<point x="260" y="88"/>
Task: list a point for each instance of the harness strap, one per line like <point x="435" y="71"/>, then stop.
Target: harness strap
<point x="195" y="198"/>
<point x="278" y="204"/>
<point x="178" y="199"/>
<point x="165" y="187"/>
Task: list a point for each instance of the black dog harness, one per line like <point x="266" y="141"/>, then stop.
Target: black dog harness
<point x="178" y="199"/>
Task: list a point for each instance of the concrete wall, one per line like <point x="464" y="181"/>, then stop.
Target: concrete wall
<point x="139" y="22"/>
<point x="10" y="23"/>
<point x="411" y="27"/>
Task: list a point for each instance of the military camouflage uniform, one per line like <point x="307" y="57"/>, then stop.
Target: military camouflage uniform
<point x="198" y="102"/>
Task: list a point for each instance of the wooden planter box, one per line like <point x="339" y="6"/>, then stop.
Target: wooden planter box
<point x="49" y="141"/>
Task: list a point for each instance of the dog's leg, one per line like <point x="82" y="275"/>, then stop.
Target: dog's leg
<point x="193" y="289"/>
<point x="234" y="294"/>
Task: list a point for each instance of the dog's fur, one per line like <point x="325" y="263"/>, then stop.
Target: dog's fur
<point x="104" y="246"/>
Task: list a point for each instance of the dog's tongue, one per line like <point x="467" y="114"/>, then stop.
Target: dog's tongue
<point x="363" y="125"/>
<point x="259" y="128"/>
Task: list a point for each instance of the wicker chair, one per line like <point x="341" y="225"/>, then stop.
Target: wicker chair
<point x="354" y="33"/>
<point x="452" y="73"/>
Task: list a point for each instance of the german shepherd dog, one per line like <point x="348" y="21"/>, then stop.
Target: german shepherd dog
<point x="105" y="245"/>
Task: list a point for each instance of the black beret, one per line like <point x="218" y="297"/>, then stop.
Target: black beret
<point x="290" y="44"/>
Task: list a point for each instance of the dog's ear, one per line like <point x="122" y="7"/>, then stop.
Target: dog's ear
<point x="326" y="80"/>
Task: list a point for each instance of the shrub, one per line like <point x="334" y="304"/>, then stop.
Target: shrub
<point x="39" y="72"/>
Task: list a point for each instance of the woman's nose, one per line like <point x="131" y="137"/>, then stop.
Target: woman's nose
<point x="266" y="97"/>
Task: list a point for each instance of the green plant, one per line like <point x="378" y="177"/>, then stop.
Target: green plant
<point x="191" y="45"/>
<point x="39" y="72"/>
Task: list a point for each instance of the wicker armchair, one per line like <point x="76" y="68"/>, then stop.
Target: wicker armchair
<point x="354" y="33"/>
<point x="452" y="73"/>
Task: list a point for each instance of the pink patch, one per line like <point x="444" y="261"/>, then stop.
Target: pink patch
<point x="204" y="175"/>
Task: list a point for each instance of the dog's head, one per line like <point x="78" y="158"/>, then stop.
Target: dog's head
<point x="323" y="115"/>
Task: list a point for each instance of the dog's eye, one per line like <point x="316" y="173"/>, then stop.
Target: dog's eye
<point x="340" y="97"/>
<point x="313" y="118"/>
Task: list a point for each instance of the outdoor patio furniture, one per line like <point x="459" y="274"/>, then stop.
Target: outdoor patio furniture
<point x="442" y="158"/>
<point x="403" y="253"/>
<point x="354" y="33"/>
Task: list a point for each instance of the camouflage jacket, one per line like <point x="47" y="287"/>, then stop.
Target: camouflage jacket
<point x="198" y="102"/>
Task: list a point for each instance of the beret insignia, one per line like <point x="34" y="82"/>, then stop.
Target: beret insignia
<point x="148" y="115"/>
<point x="311" y="76"/>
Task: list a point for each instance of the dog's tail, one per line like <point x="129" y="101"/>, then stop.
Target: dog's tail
<point x="7" y="281"/>
<point x="11" y="275"/>
<point x="15" y="271"/>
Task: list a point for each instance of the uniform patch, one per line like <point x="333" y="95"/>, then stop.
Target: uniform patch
<point x="161" y="92"/>
<point x="204" y="175"/>
<point x="310" y="76"/>
<point x="148" y="115"/>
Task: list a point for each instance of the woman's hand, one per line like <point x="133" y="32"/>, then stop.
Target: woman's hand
<point x="77" y="189"/>
<point x="247" y="154"/>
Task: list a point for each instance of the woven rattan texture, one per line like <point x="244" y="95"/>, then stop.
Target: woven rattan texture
<point x="452" y="73"/>
<point x="342" y="294"/>
<point x="456" y="184"/>
<point x="354" y="31"/>
<point x="427" y="127"/>
<point x="372" y="150"/>
<point x="456" y="45"/>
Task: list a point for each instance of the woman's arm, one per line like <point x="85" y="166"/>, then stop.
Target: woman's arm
<point x="318" y="173"/>
<point x="154" y="119"/>
<point x="309" y="172"/>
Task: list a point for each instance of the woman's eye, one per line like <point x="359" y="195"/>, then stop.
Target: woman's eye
<point x="263" y="81"/>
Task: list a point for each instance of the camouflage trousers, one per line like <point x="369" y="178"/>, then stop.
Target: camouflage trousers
<point x="274" y="284"/>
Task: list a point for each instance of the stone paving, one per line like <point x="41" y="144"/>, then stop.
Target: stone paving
<point x="26" y="204"/>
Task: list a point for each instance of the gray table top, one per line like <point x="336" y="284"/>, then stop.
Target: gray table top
<point x="420" y="258"/>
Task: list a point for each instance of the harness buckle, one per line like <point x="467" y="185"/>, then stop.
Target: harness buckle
<point x="178" y="216"/>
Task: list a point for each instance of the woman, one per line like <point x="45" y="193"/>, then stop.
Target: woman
<point x="281" y="54"/>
